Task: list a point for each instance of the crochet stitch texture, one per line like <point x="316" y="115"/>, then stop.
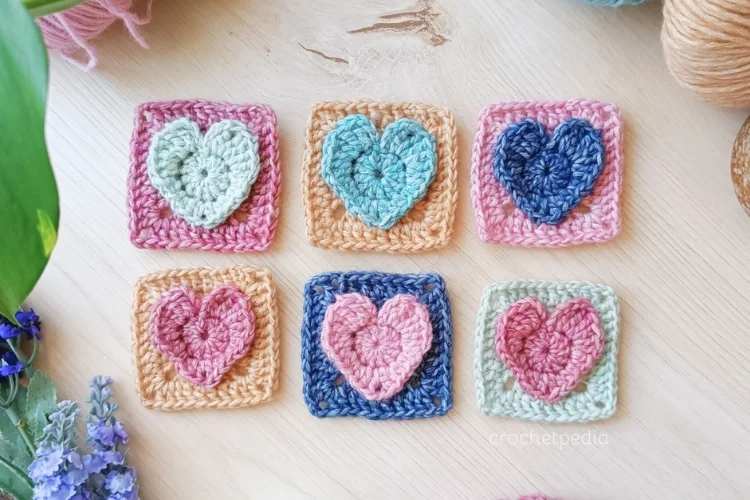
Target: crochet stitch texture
<point x="204" y="177"/>
<point x="549" y="176"/>
<point x="377" y="351"/>
<point x="499" y="220"/>
<point x="498" y="394"/>
<point x="249" y="228"/>
<point x="549" y="354"/>
<point x="250" y="379"/>
<point x="378" y="179"/>
<point x="427" y="225"/>
<point x="202" y="336"/>
<point x="428" y="393"/>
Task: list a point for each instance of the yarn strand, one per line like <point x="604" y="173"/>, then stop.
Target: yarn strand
<point x="72" y="31"/>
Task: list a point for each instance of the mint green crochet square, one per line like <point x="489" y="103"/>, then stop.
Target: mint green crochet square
<point x="497" y="393"/>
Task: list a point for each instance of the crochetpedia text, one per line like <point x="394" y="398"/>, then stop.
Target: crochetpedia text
<point x="558" y="440"/>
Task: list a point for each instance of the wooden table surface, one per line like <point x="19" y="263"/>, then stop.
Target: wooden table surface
<point x="680" y="266"/>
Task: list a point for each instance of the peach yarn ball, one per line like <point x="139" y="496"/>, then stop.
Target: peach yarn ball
<point x="707" y="47"/>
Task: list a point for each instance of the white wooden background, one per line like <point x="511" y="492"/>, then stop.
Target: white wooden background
<point x="680" y="266"/>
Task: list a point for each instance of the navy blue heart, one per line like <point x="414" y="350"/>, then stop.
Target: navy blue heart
<point x="549" y="176"/>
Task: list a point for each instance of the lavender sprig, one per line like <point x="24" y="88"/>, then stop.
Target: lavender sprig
<point x="60" y="472"/>
<point x="114" y="480"/>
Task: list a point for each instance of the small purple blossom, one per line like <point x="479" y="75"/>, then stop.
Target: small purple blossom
<point x="120" y="431"/>
<point x="121" y="481"/>
<point x="100" y="432"/>
<point x="76" y="474"/>
<point x="47" y="463"/>
<point x="47" y="487"/>
<point x="9" y="364"/>
<point x="29" y="322"/>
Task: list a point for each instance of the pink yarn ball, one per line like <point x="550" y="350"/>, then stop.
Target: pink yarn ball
<point x="72" y="30"/>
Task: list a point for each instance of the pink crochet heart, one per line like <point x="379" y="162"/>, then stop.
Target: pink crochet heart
<point x="376" y="351"/>
<point x="203" y="337"/>
<point x="549" y="355"/>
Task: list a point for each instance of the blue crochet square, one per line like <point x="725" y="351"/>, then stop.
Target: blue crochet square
<point x="427" y="394"/>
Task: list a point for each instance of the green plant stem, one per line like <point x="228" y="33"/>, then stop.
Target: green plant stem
<point x="22" y="356"/>
<point x="21" y="426"/>
<point x="38" y="8"/>
<point x="34" y="352"/>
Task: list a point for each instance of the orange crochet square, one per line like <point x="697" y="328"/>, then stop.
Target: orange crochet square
<point x="426" y="226"/>
<point x="251" y="379"/>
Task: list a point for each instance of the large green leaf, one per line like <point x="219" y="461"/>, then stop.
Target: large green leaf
<point x="44" y="7"/>
<point x="10" y="435"/>
<point x="41" y="400"/>
<point x="29" y="208"/>
<point x="15" y="456"/>
<point x="14" y="481"/>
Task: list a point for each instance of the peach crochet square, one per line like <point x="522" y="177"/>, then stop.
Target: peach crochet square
<point x="250" y="228"/>
<point x="249" y="381"/>
<point x="427" y="225"/>
<point x="595" y="220"/>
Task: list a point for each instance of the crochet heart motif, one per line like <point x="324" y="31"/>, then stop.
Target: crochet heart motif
<point x="202" y="337"/>
<point x="549" y="355"/>
<point x="549" y="176"/>
<point x="204" y="178"/>
<point x="376" y="352"/>
<point x="379" y="179"/>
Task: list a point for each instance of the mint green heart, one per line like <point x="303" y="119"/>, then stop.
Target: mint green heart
<point x="204" y="178"/>
<point x="379" y="179"/>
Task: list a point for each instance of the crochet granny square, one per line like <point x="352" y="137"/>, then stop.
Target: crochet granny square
<point x="379" y="177"/>
<point x="377" y="345"/>
<point x="548" y="174"/>
<point x="204" y="176"/>
<point x="205" y="338"/>
<point x="547" y="351"/>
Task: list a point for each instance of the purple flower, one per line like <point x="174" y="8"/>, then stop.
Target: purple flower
<point x="94" y="463"/>
<point x="120" y="431"/>
<point x="110" y="457"/>
<point x="7" y="329"/>
<point x="121" y="482"/>
<point x="47" y="488"/>
<point x="129" y="495"/>
<point x="64" y="492"/>
<point x="75" y="474"/>
<point x="10" y="364"/>
<point x="84" y="494"/>
<point x="47" y="463"/>
<point x="30" y="325"/>
<point x="101" y="432"/>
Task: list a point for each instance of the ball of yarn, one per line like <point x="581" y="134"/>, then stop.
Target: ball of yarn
<point x="72" y="31"/>
<point x="707" y="47"/>
<point x="614" y="3"/>
<point x="741" y="166"/>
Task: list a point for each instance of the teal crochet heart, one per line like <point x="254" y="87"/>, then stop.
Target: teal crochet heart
<point x="379" y="179"/>
<point x="204" y="178"/>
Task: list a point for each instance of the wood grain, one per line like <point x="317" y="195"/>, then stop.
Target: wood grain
<point x="679" y="267"/>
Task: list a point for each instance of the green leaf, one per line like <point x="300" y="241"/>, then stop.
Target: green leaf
<point x="29" y="206"/>
<point x="41" y="400"/>
<point x="15" y="481"/>
<point x="12" y="437"/>
<point x="39" y="8"/>
<point x="16" y="456"/>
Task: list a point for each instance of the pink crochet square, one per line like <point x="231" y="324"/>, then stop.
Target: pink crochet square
<point x="250" y="228"/>
<point x="595" y="220"/>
